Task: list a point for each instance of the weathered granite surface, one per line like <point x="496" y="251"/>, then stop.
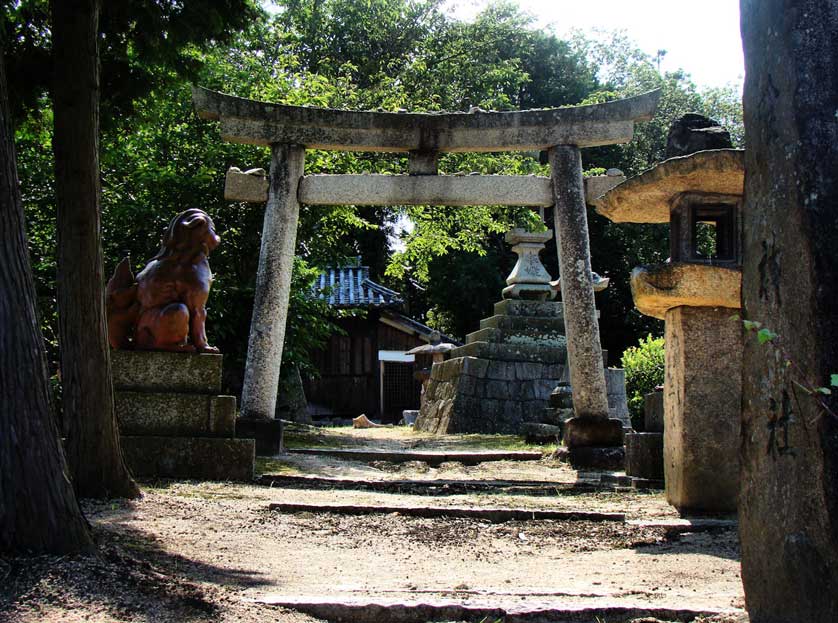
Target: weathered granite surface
<point x="450" y="190"/>
<point x="587" y="372"/>
<point x="250" y="186"/>
<point x="598" y="185"/>
<point x="701" y="408"/>
<point x="653" y="412"/>
<point x="656" y="289"/>
<point x="263" y="123"/>
<point x="374" y="189"/>
<point x="694" y="132"/>
<point x="788" y="512"/>
<point x="647" y="198"/>
<point x="538" y="432"/>
<point x="644" y="455"/>
<point x="497" y="386"/>
<point x="528" y="279"/>
<point x="273" y="284"/>
<point x="172" y="422"/>
<point x="166" y="372"/>
<point x="169" y="413"/>
<point x="470" y="395"/>
<point x="201" y="458"/>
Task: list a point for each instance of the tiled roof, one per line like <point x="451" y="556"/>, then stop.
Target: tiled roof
<point x="350" y="286"/>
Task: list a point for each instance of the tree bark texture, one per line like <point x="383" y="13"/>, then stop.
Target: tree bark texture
<point x="93" y="448"/>
<point x="788" y="515"/>
<point x="38" y="509"/>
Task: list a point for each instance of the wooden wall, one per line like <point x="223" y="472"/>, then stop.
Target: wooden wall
<point x="349" y="382"/>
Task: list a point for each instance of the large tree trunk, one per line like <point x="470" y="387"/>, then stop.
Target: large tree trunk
<point x="789" y="491"/>
<point x="38" y="510"/>
<point x="93" y="448"/>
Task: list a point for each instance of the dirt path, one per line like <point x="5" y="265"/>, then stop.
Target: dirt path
<point x="218" y="547"/>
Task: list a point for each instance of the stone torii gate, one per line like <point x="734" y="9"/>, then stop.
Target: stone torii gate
<point x="290" y="130"/>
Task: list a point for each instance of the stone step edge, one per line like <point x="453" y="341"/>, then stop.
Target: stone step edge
<point x="494" y="515"/>
<point x="529" y="322"/>
<point x="514" y="337"/>
<point x="197" y="393"/>
<point x="524" y="353"/>
<point x="381" y="610"/>
<point x="445" y="487"/>
<point x="429" y="457"/>
<point x="228" y="459"/>
<point x="683" y="524"/>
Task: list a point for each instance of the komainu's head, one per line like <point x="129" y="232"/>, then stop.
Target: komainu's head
<point x="189" y="233"/>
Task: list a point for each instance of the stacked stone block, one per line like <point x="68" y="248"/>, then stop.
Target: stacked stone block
<point x="644" y="450"/>
<point x="501" y="379"/>
<point x="173" y="421"/>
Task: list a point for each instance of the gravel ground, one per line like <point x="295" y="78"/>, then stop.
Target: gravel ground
<point x="204" y="551"/>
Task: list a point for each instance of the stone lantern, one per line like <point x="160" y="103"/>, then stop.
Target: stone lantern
<point x="425" y="356"/>
<point x="697" y="294"/>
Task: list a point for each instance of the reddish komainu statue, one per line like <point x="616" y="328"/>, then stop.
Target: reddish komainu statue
<point x="164" y="308"/>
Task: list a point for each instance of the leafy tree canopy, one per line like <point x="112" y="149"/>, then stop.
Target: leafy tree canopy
<point x="380" y="54"/>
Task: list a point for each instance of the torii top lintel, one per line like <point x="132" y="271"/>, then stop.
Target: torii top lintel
<point x="262" y="123"/>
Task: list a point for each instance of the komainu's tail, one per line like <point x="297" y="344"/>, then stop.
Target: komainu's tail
<point x="122" y="305"/>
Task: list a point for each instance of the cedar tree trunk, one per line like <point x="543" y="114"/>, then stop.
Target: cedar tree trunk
<point x="788" y="511"/>
<point x="38" y="509"/>
<point x="93" y="449"/>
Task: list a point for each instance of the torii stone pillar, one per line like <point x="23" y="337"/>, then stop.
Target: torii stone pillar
<point x="590" y="425"/>
<point x="424" y="136"/>
<point x="273" y="283"/>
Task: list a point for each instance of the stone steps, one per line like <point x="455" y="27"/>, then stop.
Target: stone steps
<point x="518" y="338"/>
<point x="511" y="352"/>
<point x="175" y="414"/>
<point x="495" y="370"/>
<point x="432" y="487"/>
<point x="494" y="515"/>
<point x="432" y="458"/>
<point x="199" y="458"/>
<point x="511" y="607"/>
<point x="525" y="324"/>
<point x="538" y="309"/>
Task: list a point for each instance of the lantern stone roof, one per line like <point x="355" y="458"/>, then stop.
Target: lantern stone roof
<point x="647" y="198"/>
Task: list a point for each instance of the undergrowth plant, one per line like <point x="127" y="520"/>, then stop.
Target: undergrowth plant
<point x="644" y="365"/>
<point x="799" y="381"/>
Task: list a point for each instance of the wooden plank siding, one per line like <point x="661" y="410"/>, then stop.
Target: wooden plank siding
<point x="349" y="382"/>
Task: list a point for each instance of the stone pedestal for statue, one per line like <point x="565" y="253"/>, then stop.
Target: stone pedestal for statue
<point x="697" y="293"/>
<point x="173" y="421"/>
<point x="500" y="381"/>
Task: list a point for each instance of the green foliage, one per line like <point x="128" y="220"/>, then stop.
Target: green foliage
<point x="644" y="366"/>
<point x="158" y="158"/>
<point x="143" y="45"/>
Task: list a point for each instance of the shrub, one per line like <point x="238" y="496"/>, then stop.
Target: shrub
<point x="644" y="371"/>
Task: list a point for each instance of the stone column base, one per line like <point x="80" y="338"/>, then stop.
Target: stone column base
<point x="584" y="432"/>
<point x="611" y="459"/>
<point x="266" y="433"/>
<point x="644" y="455"/>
